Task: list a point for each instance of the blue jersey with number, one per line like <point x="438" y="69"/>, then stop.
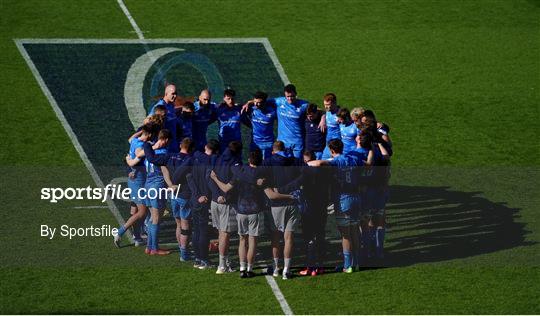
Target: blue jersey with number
<point x="290" y="120"/>
<point x="138" y="168"/>
<point x="153" y="172"/>
<point x="348" y="136"/>
<point x="347" y="173"/>
<point x="333" y="130"/>
<point x="229" y="123"/>
<point x="262" y="123"/>
<point x="202" y="118"/>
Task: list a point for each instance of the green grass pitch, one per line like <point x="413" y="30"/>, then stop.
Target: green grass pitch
<point x="458" y="82"/>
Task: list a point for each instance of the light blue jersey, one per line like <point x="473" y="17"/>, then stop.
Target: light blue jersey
<point x="345" y="193"/>
<point x="134" y="145"/>
<point x="136" y="182"/>
<point x="154" y="182"/>
<point x="333" y="130"/>
<point x="262" y="121"/>
<point x="348" y="136"/>
<point x="291" y="123"/>
<point x="153" y="172"/>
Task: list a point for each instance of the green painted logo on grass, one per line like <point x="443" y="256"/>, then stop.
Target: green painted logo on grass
<point x="104" y="88"/>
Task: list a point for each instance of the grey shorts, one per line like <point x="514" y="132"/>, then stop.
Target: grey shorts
<point x="284" y="218"/>
<point x="223" y="217"/>
<point x="251" y="224"/>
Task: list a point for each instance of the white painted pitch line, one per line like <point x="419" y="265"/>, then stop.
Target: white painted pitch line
<point x="68" y="129"/>
<point x="279" y="296"/>
<point x="90" y="207"/>
<point x="131" y="20"/>
<point x="277" y="64"/>
<point x="224" y="40"/>
<point x="269" y="279"/>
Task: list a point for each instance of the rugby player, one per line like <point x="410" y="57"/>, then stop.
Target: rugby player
<point x="261" y="117"/>
<point x="223" y="205"/>
<point x="248" y="181"/>
<point x="167" y="101"/>
<point x="315" y="137"/>
<point x="136" y="180"/>
<point x="154" y="182"/>
<point x="345" y="196"/>
<point x="175" y="168"/>
<point x="348" y="130"/>
<point x="172" y="123"/>
<point x="204" y="115"/>
<point x="203" y="163"/>
<point x="229" y="120"/>
<point x="281" y="169"/>
<point x="332" y="125"/>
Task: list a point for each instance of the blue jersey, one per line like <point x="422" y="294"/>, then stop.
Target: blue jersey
<point x="291" y="121"/>
<point x="348" y="136"/>
<point x="333" y="130"/>
<point x="202" y="118"/>
<point x="170" y="108"/>
<point x="347" y="174"/>
<point x="230" y="127"/>
<point x="135" y="144"/>
<point x="262" y="124"/>
<point x="153" y="171"/>
<point x="362" y="153"/>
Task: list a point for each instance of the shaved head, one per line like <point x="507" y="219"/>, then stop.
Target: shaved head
<point x="170" y="93"/>
<point x="205" y="97"/>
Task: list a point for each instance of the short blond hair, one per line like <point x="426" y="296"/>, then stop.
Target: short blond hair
<point x="357" y="113"/>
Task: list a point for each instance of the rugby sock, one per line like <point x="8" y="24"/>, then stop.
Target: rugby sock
<point x="154" y="231"/>
<point x="249" y="267"/>
<point x="379" y="241"/>
<point x="222" y="261"/>
<point x="121" y="230"/>
<point x="149" y="238"/>
<point x="346" y="259"/>
<point x="276" y="263"/>
<point x="286" y="265"/>
<point x="183" y="253"/>
<point x="242" y="266"/>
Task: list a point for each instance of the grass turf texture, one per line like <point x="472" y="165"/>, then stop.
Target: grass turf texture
<point x="444" y="75"/>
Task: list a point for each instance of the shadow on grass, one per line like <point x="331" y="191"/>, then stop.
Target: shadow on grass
<point x="430" y="224"/>
<point x="425" y="224"/>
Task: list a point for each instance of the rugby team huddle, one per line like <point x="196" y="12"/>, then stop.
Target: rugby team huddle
<point x="320" y="158"/>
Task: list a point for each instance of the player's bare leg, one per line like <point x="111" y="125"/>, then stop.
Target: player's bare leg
<point x="347" y="247"/>
<point x="288" y="236"/>
<point x="242" y="255"/>
<point x="276" y="251"/>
